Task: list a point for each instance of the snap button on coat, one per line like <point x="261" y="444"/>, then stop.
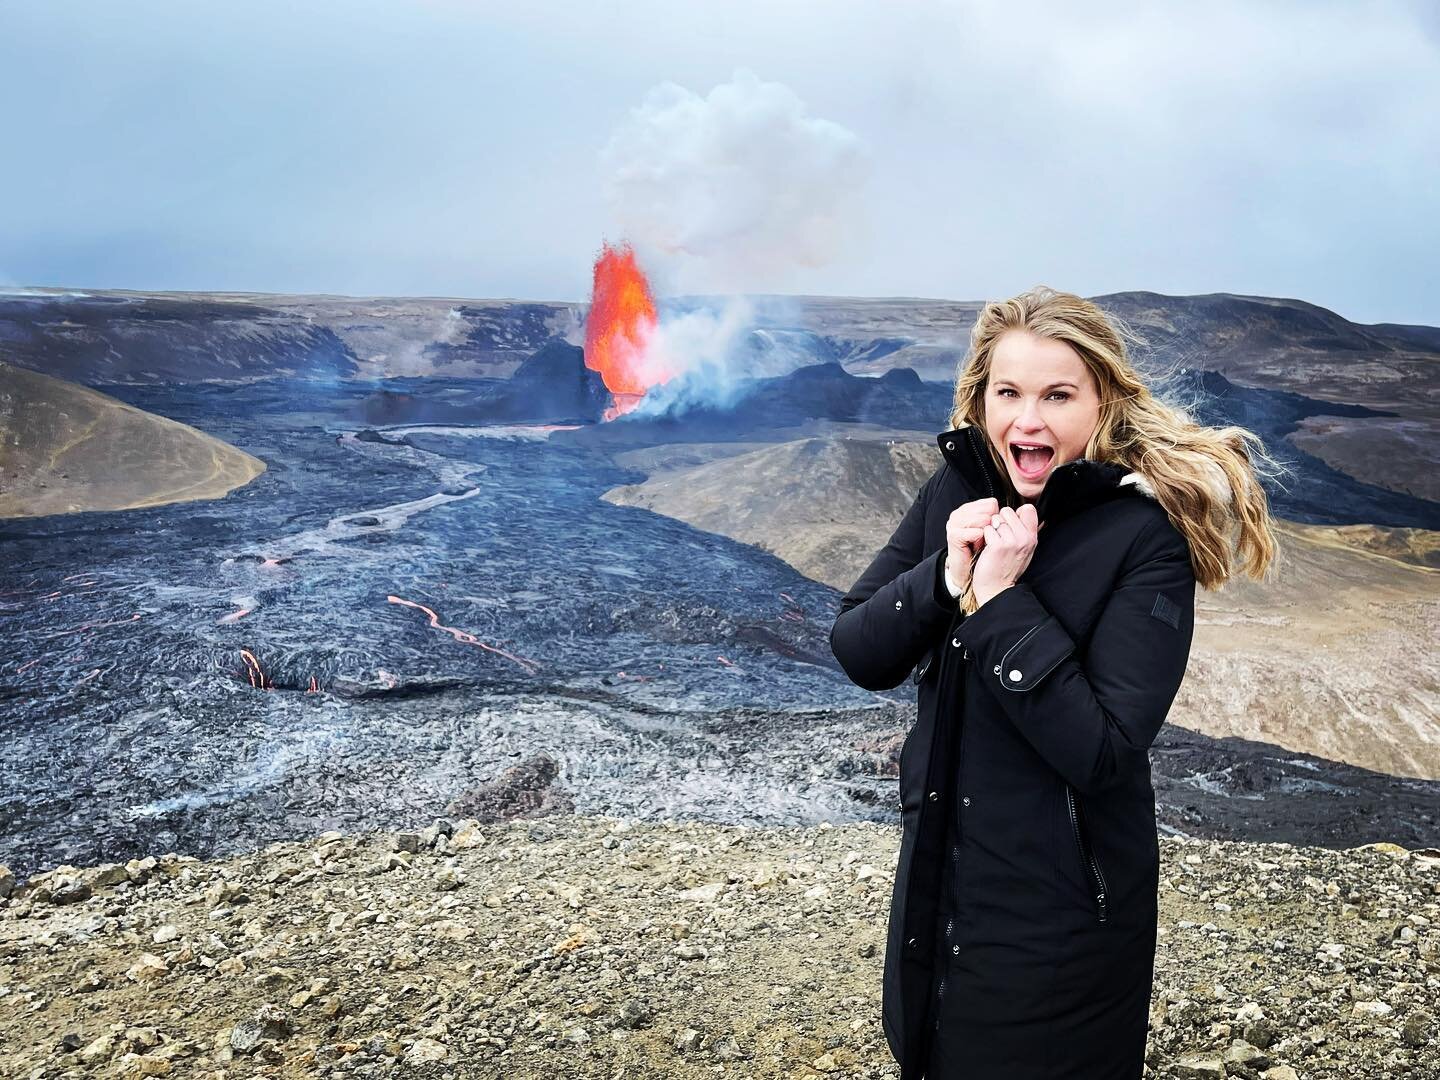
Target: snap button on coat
<point x="1056" y="877"/>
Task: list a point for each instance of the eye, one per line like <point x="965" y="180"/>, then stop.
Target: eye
<point x="1063" y="395"/>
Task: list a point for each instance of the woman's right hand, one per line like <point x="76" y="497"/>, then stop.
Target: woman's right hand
<point x="965" y="534"/>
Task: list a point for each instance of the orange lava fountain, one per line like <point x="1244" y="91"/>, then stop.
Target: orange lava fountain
<point x="619" y="328"/>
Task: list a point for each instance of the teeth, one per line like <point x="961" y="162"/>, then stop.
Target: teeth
<point x="1031" y="446"/>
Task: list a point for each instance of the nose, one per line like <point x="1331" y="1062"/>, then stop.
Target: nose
<point x="1029" y="420"/>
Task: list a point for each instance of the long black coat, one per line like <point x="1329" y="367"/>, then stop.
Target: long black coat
<point x="1022" y="923"/>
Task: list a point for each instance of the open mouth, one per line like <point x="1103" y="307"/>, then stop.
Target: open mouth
<point x="1031" y="459"/>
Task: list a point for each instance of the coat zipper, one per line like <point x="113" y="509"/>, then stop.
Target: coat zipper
<point x="955" y="870"/>
<point x="1087" y="855"/>
<point x="945" y="968"/>
<point x="949" y="924"/>
<point x="957" y="796"/>
<point x="944" y="975"/>
<point x="955" y="848"/>
<point x="933" y="1006"/>
<point x="984" y="472"/>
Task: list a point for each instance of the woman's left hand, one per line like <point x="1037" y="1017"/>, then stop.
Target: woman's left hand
<point x="1010" y="540"/>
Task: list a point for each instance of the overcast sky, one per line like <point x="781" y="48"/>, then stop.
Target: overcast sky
<point x="889" y="148"/>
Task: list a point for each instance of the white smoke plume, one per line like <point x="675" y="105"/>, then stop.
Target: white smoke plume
<point x="701" y="345"/>
<point x="734" y="192"/>
<point x="735" y="189"/>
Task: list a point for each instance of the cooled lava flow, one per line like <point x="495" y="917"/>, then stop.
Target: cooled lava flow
<point x="620" y="328"/>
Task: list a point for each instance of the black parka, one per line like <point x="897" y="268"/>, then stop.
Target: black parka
<point x="1023" y="918"/>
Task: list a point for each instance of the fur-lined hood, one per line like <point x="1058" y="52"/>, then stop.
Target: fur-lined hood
<point x="1074" y="486"/>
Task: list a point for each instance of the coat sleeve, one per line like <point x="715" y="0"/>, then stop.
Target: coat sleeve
<point x="1093" y="723"/>
<point x="893" y="614"/>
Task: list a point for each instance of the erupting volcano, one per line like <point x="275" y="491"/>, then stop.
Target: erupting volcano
<point x="619" y="330"/>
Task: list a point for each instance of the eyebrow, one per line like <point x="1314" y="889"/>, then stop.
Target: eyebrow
<point x="1052" y="386"/>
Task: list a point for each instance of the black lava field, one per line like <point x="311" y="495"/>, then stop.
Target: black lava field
<point x="394" y="614"/>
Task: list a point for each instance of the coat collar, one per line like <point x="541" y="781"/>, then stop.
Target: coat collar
<point x="1077" y="485"/>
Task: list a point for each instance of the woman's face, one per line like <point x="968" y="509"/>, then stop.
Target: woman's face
<point x="1039" y="393"/>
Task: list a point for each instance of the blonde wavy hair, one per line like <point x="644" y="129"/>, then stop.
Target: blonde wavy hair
<point x="1207" y="479"/>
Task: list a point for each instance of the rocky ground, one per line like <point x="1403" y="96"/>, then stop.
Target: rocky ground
<point x="571" y="946"/>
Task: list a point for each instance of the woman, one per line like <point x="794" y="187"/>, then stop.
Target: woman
<point x="1042" y="587"/>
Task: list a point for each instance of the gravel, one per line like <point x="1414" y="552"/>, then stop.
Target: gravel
<point x="584" y="946"/>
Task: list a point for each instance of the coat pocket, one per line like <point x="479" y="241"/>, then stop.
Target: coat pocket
<point x="1089" y="864"/>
